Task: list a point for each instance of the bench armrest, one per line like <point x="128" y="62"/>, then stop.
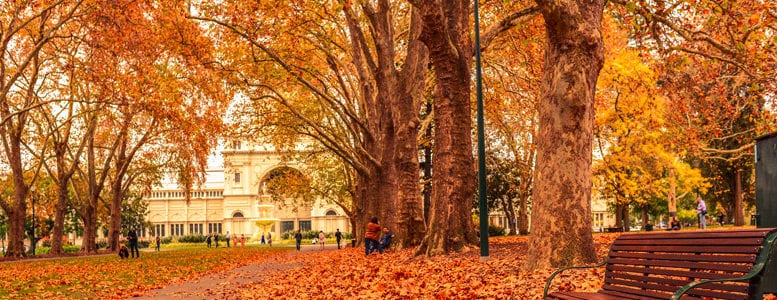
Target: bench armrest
<point x="760" y="262"/>
<point x="547" y="283"/>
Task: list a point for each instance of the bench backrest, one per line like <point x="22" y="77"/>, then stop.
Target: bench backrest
<point x="658" y="264"/>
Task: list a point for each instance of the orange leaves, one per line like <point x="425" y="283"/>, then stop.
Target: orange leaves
<point x="109" y="277"/>
<point x="336" y="274"/>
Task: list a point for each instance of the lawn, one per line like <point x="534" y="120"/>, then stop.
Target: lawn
<point x="110" y="277"/>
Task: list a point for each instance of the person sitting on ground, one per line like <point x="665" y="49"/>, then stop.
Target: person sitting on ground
<point x="674" y="224"/>
<point x="385" y="240"/>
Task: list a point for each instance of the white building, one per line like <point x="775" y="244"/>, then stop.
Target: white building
<point x="233" y="199"/>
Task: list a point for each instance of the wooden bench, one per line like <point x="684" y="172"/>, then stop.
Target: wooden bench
<point x="731" y="264"/>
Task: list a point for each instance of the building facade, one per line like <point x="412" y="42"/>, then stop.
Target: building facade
<point x="233" y="199"/>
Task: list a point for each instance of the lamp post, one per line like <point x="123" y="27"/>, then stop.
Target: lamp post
<point x="483" y="207"/>
<point x="32" y="238"/>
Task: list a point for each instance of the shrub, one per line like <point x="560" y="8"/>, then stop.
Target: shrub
<point x="42" y="250"/>
<point x="495" y="231"/>
<point x="70" y="248"/>
<point x="193" y="238"/>
<point x="167" y="240"/>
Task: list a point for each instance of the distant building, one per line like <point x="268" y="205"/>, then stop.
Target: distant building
<point x="233" y="199"/>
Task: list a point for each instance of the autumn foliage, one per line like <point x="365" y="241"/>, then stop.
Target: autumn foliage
<point x="320" y="275"/>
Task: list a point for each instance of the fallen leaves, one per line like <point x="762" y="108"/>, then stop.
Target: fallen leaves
<point x="261" y="273"/>
<point x="109" y="277"/>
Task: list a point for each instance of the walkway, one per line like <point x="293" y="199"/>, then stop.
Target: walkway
<point x="225" y="285"/>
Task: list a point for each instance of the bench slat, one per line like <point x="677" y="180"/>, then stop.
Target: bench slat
<point x="741" y="268"/>
<point x="688" y="249"/>
<point x="655" y="285"/>
<point x="630" y="296"/>
<point x="755" y="241"/>
<point x="697" y="234"/>
<point x="581" y="296"/>
<point x="738" y="287"/>
<point x="668" y="272"/>
<point x="744" y="258"/>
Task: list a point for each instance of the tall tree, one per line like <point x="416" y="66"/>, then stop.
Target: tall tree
<point x="26" y="30"/>
<point x="574" y="55"/>
<point x="719" y="69"/>
<point x="340" y="74"/>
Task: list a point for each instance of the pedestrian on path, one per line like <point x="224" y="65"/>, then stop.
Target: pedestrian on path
<point x="243" y="240"/>
<point x="701" y="210"/>
<point x="269" y="239"/>
<point x="158" y="242"/>
<point x="338" y="237"/>
<point x="216" y="239"/>
<point x="234" y="242"/>
<point x="298" y="239"/>
<point x="371" y="236"/>
<point x="263" y="239"/>
<point x="227" y="237"/>
<point x="209" y="239"/>
<point x="132" y="237"/>
<point x="321" y="238"/>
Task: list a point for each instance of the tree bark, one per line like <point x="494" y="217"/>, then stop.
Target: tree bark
<point x="739" y="212"/>
<point x="561" y="211"/>
<point x="446" y="35"/>
<point x="523" y="216"/>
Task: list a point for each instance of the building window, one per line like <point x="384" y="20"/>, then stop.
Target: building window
<point x="159" y="229"/>
<point x="236" y="145"/>
<point x="287" y="226"/>
<point x="331" y="213"/>
<point x="176" y="229"/>
<point x="237" y="177"/>
<point x="304" y="225"/>
<point x="237" y="215"/>
<point x="214" y="227"/>
<point x="195" y="229"/>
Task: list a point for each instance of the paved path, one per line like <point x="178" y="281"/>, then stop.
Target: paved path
<point x="224" y="285"/>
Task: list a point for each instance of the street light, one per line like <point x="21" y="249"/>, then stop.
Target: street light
<point x="481" y="143"/>
<point x="32" y="238"/>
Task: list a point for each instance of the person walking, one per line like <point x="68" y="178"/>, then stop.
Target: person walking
<point x="216" y="239"/>
<point x="338" y="237"/>
<point x="132" y="238"/>
<point x="298" y="239"/>
<point x="701" y="210"/>
<point x="158" y="243"/>
<point x="242" y="240"/>
<point x="227" y="237"/>
<point x="269" y="239"/>
<point x="321" y="238"/>
<point x="263" y="239"/>
<point x="371" y="236"/>
<point x="209" y="239"/>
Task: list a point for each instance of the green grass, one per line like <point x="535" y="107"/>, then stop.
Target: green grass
<point x="107" y="276"/>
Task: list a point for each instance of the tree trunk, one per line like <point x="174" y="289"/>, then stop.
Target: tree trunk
<point x="645" y="216"/>
<point x="509" y="210"/>
<point x="60" y="210"/>
<point x="523" y="216"/>
<point x="90" y="229"/>
<point x="561" y="210"/>
<point x="446" y="35"/>
<point x="672" y="195"/>
<point x="739" y="213"/>
<point x="16" y="211"/>
<point x="406" y="105"/>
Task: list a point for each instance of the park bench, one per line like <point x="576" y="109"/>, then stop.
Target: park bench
<point x="730" y="264"/>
